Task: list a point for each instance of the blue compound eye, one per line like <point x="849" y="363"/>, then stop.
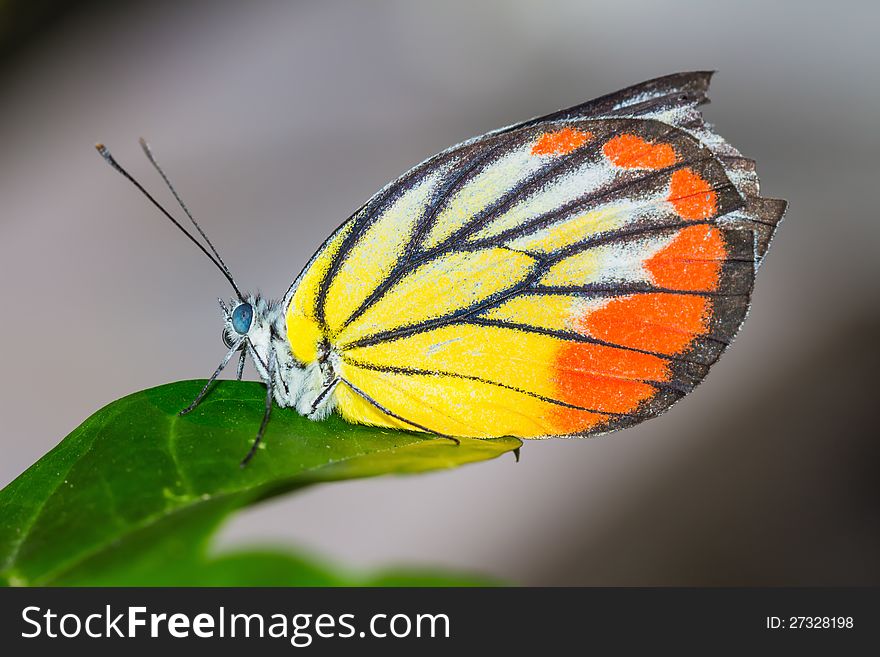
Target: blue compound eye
<point x="242" y="317"/>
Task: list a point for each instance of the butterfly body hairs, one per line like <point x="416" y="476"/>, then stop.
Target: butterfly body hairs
<point x="567" y="276"/>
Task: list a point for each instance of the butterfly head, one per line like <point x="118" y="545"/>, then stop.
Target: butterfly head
<point x="250" y="320"/>
<point x="238" y="322"/>
<point x="245" y="320"/>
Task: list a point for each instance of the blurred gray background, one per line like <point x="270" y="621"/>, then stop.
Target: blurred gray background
<point x="277" y="119"/>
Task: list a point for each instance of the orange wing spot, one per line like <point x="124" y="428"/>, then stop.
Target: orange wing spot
<point x="581" y="380"/>
<point x="692" y="261"/>
<point x="691" y="196"/>
<point x="583" y="388"/>
<point x="572" y="420"/>
<point x="586" y="358"/>
<point x="604" y="378"/>
<point x="560" y="142"/>
<point x="633" y="152"/>
<point x="661" y="322"/>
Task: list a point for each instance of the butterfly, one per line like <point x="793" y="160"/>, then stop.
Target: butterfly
<point x="566" y="276"/>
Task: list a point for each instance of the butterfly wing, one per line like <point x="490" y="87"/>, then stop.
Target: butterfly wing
<point x="569" y="275"/>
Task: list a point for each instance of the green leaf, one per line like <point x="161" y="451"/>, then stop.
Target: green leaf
<point x="136" y="487"/>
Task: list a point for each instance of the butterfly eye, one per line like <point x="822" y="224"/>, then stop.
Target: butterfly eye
<point x="242" y="317"/>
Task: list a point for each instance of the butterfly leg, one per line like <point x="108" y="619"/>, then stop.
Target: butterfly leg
<point x="241" y="358"/>
<point x="266" y="413"/>
<point x="321" y="397"/>
<point x="216" y="373"/>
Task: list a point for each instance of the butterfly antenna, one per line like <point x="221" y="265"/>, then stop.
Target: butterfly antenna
<point x="105" y="153"/>
<point x="149" y="153"/>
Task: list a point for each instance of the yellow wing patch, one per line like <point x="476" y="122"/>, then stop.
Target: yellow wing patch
<point x="555" y="312"/>
<point x="437" y="288"/>
<point x="374" y="255"/>
<point x="455" y="407"/>
<point x="305" y="296"/>
<point x="303" y="331"/>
